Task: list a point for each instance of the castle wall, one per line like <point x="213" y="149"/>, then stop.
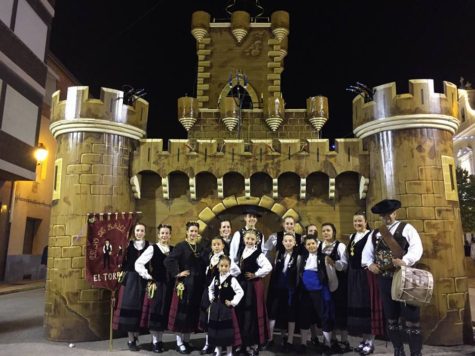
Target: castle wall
<point x="409" y="139"/>
<point x="95" y="140"/>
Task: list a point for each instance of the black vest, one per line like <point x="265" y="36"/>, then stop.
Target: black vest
<point x="250" y="264"/>
<point x="355" y="251"/>
<point x="290" y="273"/>
<point x="212" y="271"/>
<point x="132" y="255"/>
<point x="157" y="268"/>
<point x="322" y="269"/>
<point x="223" y="291"/>
<point x="382" y="253"/>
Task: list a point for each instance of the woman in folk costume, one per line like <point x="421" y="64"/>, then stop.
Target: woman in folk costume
<point x="252" y="313"/>
<point x="158" y="307"/>
<point x="225" y="293"/>
<point x="225" y="232"/>
<point x="379" y="255"/>
<point x="364" y="304"/>
<point x="334" y="262"/>
<point x="131" y="293"/>
<point x="185" y="263"/>
<point x="212" y="259"/>
<point x="237" y="242"/>
<point x="282" y="298"/>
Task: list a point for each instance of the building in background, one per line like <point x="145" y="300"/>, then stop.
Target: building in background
<point x="24" y="29"/>
<point x="31" y="200"/>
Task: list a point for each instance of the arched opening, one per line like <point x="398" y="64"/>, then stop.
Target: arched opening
<point x="233" y="184"/>
<point x="317" y="185"/>
<point x="347" y="185"/>
<point x="289" y="185"/>
<point x="151" y="192"/>
<point x="261" y="184"/>
<point x="178" y="184"/>
<point x="242" y="96"/>
<point x="206" y="185"/>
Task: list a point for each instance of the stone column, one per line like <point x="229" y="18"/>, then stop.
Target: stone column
<point x="409" y="139"/>
<point x="95" y="141"/>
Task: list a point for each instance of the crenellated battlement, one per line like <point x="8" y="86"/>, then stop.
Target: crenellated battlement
<point x="259" y="155"/>
<point x="466" y="112"/>
<point x="79" y="112"/>
<point x="421" y="107"/>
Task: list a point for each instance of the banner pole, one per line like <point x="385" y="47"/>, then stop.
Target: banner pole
<point x="110" y="324"/>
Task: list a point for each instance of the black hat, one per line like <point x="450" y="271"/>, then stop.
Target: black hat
<point x="386" y="206"/>
<point x="252" y="211"/>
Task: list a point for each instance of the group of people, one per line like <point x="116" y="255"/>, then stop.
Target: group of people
<point x="316" y="283"/>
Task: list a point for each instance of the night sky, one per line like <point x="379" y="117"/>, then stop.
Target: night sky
<point x="332" y="44"/>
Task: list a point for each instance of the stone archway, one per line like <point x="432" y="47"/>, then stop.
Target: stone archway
<point x="210" y="214"/>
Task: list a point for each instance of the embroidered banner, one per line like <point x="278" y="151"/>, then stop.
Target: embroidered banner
<point x="107" y="240"/>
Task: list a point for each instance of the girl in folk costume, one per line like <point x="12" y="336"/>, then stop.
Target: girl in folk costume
<point x="334" y="262"/>
<point x="364" y="304"/>
<point x="185" y="263"/>
<point x="212" y="271"/>
<point x="252" y="314"/>
<point x="282" y="299"/>
<point x="131" y="293"/>
<point x="237" y="243"/>
<point x="225" y="293"/>
<point x="158" y="307"/>
<point x="315" y="295"/>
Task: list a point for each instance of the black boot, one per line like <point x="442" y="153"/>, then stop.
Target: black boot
<point x="414" y="338"/>
<point x="396" y="337"/>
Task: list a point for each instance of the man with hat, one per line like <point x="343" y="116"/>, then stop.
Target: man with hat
<point x="237" y="243"/>
<point x="393" y="245"/>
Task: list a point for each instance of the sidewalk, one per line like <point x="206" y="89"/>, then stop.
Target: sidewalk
<point x="22" y="333"/>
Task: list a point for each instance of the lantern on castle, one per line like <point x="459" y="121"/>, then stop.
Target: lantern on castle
<point x="317" y="111"/>
<point x="229" y="109"/>
<point x="200" y="24"/>
<point x="274" y="111"/>
<point x="280" y="24"/>
<point x="284" y="45"/>
<point x="187" y="111"/>
<point x="240" y="22"/>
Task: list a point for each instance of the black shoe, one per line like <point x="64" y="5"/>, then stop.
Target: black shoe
<point x="301" y="349"/>
<point x="345" y="347"/>
<point x="367" y="349"/>
<point x="266" y="346"/>
<point x="399" y="351"/>
<point x="158" y="347"/>
<point x="133" y="346"/>
<point x="189" y="346"/>
<point x="327" y="350"/>
<point x="360" y="347"/>
<point x="183" y="349"/>
<point x="207" y="349"/>
<point x="287" y="347"/>
<point x="253" y="352"/>
<point x="314" y="341"/>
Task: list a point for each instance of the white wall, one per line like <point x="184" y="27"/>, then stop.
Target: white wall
<point x="31" y="29"/>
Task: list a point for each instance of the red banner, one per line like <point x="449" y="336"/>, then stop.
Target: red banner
<point x="107" y="241"/>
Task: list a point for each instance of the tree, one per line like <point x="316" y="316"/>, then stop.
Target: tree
<point x="466" y="191"/>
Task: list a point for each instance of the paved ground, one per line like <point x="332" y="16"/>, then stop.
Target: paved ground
<point x="21" y="331"/>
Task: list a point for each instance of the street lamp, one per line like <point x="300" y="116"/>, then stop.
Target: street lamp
<point x="41" y="153"/>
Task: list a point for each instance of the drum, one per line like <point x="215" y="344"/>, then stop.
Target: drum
<point x="412" y="286"/>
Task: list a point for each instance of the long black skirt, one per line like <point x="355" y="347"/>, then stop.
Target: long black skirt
<point x="359" y="302"/>
<point x="223" y="327"/>
<point x="130" y="302"/>
<point x="156" y="310"/>
<point x="185" y="310"/>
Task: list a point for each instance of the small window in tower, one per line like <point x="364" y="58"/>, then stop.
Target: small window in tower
<point x="450" y="186"/>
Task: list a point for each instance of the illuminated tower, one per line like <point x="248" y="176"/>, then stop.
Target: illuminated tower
<point x="409" y="139"/>
<point x="95" y="139"/>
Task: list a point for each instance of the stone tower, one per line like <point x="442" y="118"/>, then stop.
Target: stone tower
<point x="409" y="140"/>
<point x="95" y="140"/>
